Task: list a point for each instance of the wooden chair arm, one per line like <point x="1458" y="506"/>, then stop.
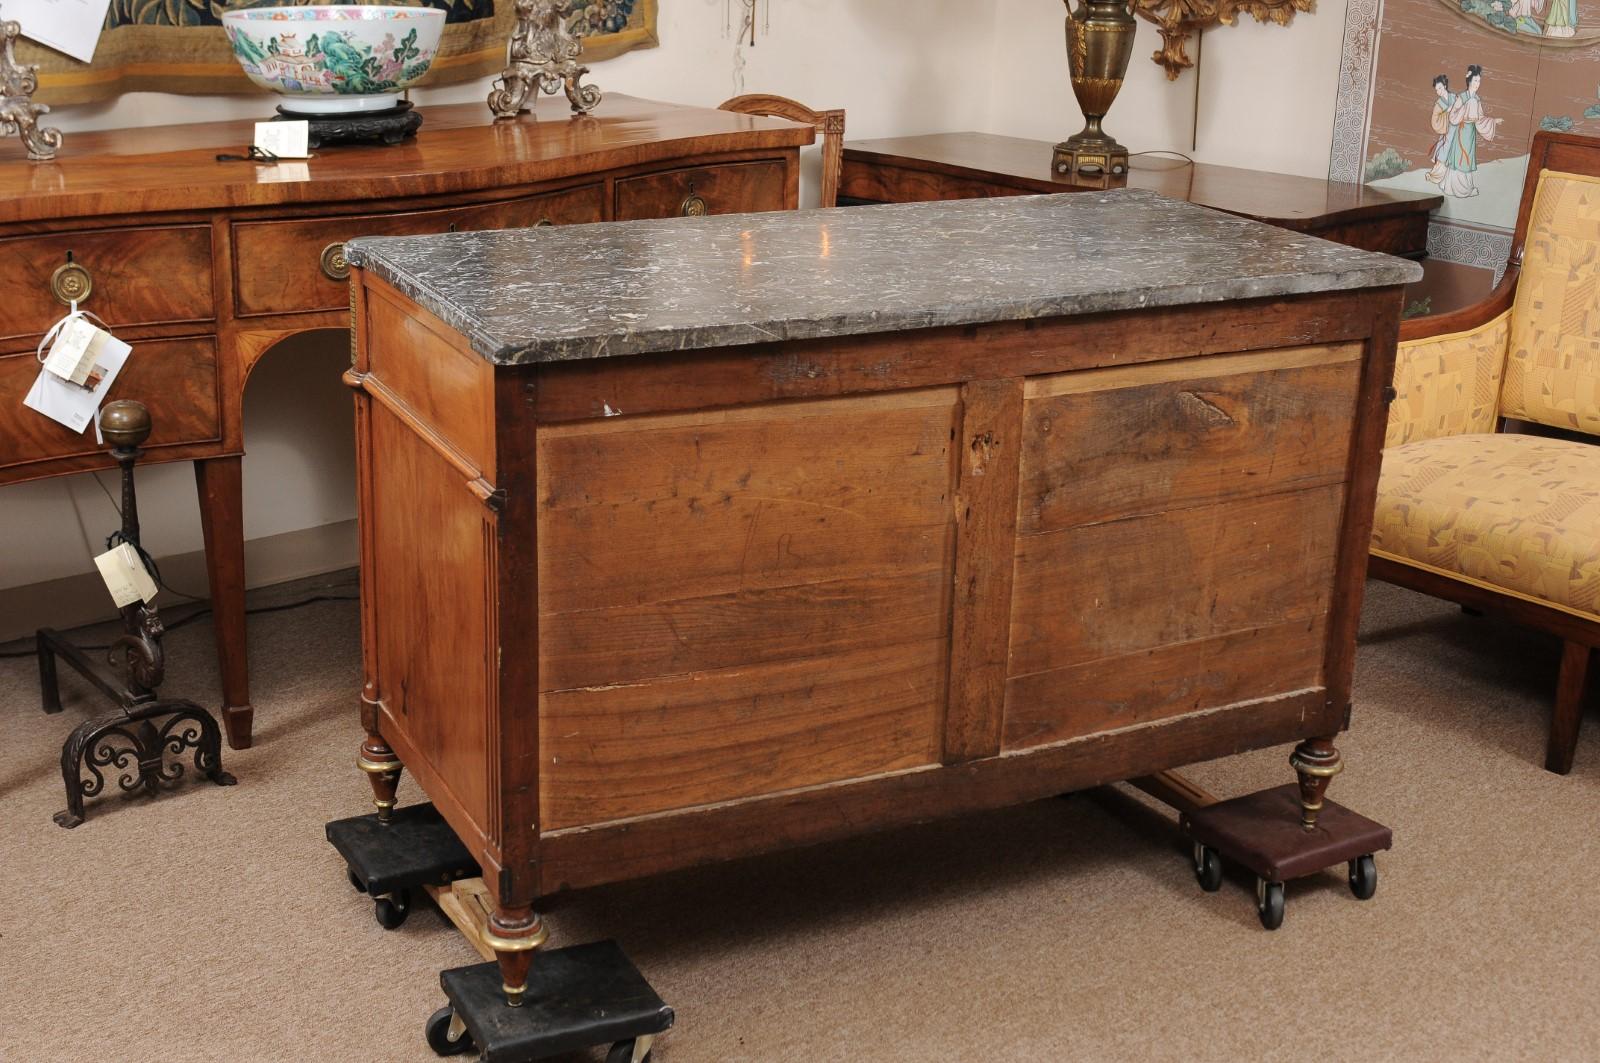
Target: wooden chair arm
<point x="1467" y="318"/>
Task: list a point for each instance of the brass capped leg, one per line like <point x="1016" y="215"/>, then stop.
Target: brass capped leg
<point x="514" y="945"/>
<point x="383" y="772"/>
<point x="1317" y="761"/>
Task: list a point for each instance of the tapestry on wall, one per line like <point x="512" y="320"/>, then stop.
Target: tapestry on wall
<point x="179" y="46"/>
<point x="1444" y="96"/>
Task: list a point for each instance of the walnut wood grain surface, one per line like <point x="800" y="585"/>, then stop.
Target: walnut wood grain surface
<point x="460" y="149"/>
<point x="955" y="165"/>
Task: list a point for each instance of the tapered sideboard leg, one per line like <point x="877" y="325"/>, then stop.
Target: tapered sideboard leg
<point x="515" y="934"/>
<point x="221" y="488"/>
<point x="383" y="772"/>
<point x="1317" y="761"/>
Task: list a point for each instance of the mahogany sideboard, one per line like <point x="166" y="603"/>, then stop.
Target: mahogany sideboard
<point x="976" y="165"/>
<point x="205" y="265"/>
<point x="685" y="540"/>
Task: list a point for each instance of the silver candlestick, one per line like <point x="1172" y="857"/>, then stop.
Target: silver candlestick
<point x="18" y="113"/>
<point x="541" y="54"/>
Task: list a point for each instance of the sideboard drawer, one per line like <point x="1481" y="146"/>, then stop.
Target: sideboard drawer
<point x="732" y="188"/>
<point x="176" y="379"/>
<point x="146" y="276"/>
<point x="298" y="266"/>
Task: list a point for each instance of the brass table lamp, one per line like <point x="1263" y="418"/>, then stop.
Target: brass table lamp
<point x="1099" y="45"/>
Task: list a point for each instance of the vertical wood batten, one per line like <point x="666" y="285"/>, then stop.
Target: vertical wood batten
<point x="987" y="455"/>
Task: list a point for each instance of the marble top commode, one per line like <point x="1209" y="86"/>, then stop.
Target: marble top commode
<point x="568" y="293"/>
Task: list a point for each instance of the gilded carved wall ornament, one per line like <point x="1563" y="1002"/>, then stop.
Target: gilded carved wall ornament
<point x="1179" y="19"/>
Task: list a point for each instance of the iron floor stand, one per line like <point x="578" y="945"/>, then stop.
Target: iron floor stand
<point x="135" y="741"/>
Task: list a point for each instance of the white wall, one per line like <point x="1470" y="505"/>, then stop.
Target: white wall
<point x="1265" y="101"/>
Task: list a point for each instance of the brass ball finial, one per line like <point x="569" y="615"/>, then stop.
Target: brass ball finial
<point x="125" y="423"/>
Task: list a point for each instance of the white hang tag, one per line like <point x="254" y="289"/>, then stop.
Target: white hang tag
<point x="76" y="405"/>
<point x="286" y="140"/>
<point x="125" y="575"/>
<point x="72" y="355"/>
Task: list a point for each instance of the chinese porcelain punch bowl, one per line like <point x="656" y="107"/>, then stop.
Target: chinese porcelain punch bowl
<point x="336" y="59"/>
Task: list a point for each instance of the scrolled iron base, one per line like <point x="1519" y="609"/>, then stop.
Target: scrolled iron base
<point x="131" y="743"/>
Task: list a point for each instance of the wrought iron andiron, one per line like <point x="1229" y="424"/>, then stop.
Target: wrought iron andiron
<point x="136" y="739"/>
<point x="541" y="54"/>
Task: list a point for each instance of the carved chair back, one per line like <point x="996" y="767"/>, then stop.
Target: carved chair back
<point x="1552" y="367"/>
<point x="829" y="125"/>
<point x="1530" y="352"/>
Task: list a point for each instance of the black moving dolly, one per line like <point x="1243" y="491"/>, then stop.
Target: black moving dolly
<point x="577" y="997"/>
<point x="386" y="861"/>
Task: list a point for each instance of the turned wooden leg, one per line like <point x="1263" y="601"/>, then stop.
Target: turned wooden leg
<point x="514" y="935"/>
<point x="383" y="772"/>
<point x="221" y="489"/>
<point x="1317" y="761"/>
<point x="1569" y="707"/>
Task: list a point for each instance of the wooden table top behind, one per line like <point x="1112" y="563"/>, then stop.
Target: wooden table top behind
<point x="1024" y="165"/>
<point x="175" y="168"/>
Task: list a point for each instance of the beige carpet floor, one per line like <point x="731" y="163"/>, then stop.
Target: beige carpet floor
<point x="216" y="924"/>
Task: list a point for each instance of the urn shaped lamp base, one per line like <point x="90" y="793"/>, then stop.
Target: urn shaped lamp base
<point x="1089" y="155"/>
<point x="1099" y="45"/>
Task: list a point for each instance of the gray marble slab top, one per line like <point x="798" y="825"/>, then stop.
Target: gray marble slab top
<point x="567" y="293"/>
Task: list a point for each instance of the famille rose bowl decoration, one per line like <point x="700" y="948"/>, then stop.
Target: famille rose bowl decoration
<point x="338" y="59"/>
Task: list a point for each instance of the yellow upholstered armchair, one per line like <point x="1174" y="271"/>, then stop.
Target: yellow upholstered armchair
<point x="1490" y="492"/>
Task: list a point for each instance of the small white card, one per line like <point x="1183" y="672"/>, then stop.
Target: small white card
<point x="76" y="406"/>
<point x="125" y="575"/>
<point x="286" y="140"/>
<point x="70" y="26"/>
<point x="76" y="348"/>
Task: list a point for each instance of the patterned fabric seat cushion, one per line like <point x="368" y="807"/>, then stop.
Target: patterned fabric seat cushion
<point x="1516" y="513"/>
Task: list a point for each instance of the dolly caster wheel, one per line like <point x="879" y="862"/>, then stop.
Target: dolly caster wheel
<point x="1207" y="868"/>
<point x="622" y="1052"/>
<point x="392" y="908"/>
<point x="447" y="1035"/>
<point x="1269" y="903"/>
<point x="355" y="881"/>
<point x="1364" y="877"/>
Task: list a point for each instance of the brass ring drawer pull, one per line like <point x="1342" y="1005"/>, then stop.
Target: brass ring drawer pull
<point x="334" y="267"/>
<point x="71" y="283"/>
<point x="693" y="206"/>
<point x="542" y="222"/>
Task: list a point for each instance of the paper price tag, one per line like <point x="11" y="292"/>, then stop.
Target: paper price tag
<point x="286" y="140"/>
<point x="125" y="575"/>
<point x="73" y="355"/>
<point x="72" y="404"/>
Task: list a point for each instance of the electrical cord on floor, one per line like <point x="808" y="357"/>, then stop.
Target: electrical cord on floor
<point x="116" y="538"/>
<point x="189" y="618"/>
<point x="1187" y="161"/>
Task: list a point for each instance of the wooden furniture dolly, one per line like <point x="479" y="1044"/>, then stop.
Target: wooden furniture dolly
<point x="1263" y="832"/>
<point x="206" y="265"/>
<point x="688" y="540"/>
<point x="979" y="165"/>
